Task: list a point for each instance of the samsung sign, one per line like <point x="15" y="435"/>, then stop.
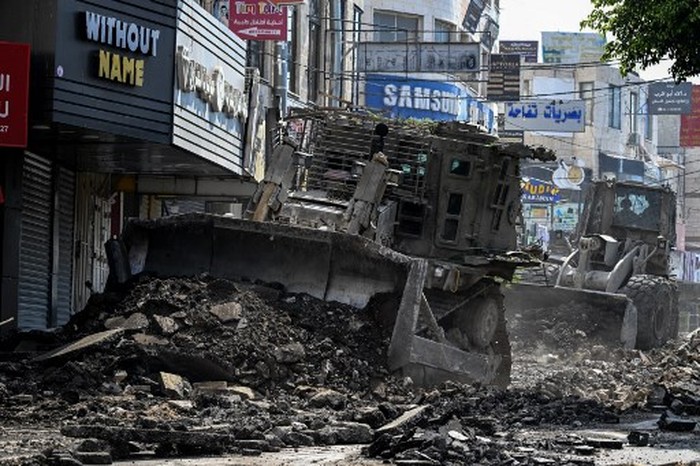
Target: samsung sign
<point x="399" y="97"/>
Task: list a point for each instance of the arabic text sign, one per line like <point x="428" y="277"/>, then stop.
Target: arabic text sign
<point x="546" y="115"/>
<point x="572" y="47"/>
<point x="256" y="20"/>
<point x="690" y="124"/>
<point x="427" y="57"/>
<point x="670" y="98"/>
<point x="504" y="78"/>
<point x="14" y="94"/>
<point x="526" y="48"/>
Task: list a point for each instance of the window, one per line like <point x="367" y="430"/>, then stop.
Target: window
<point x="635" y="209"/>
<point x="585" y="93"/>
<point x="615" y="120"/>
<point x="444" y="31"/>
<point x="649" y="130"/>
<point x="460" y="167"/>
<point x="450" y="227"/>
<point x="392" y="27"/>
<point x="634" y="108"/>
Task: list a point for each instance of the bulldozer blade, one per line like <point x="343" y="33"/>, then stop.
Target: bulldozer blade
<point x="328" y="265"/>
<point x="606" y="318"/>
<point x="430" y="362"/>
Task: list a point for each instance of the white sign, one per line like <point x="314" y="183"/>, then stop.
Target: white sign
<point x="569" y="176"/>
<point x="546" y="115"/>
<point x="211" y="86"/>
<point x="425" y="57"/>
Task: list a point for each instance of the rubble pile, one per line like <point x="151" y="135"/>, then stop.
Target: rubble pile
<point x="467" y="425"/>
<point x="625" y="380"/>
<point x="193" y="366"/>
<point x="565" y="329"/>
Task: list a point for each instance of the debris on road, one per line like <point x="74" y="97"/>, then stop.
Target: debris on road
<point x="280" y="370"/>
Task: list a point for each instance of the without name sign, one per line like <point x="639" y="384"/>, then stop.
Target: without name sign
<point x="14" y="94"/>
<point x="258" y="20"/>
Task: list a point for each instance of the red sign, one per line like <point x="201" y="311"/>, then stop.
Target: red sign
<point x="14" y="94"/>
<point x="288" y="2"/>
<point x="258" y="20"/>
<point x="690" y="123"/>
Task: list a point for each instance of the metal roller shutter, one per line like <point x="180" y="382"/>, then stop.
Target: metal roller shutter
<point x="66" y="215"/>
<point x="35" y="244"/>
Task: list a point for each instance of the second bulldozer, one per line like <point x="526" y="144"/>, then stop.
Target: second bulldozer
<point x="620" y="273"/>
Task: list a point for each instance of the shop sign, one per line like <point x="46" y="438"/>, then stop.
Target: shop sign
<point x="525" y="48"/>
<point x="399" y="97"/>
<point x="258" y="20"/>
<point x="210" y="85"/>
<point x="418" y="57"/>
<point x="546" y="115"/>
<point x="569" y="176"/>
<point x="127" y="37"/>
<point x="504" y="78"/>
<point x="572" y="47"/>
<point x="539" y="191"/>
<point x="670" y="98"/>
<point x="14" y="94"/>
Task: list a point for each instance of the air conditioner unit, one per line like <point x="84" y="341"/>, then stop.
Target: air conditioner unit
<point x="633" y="139"/>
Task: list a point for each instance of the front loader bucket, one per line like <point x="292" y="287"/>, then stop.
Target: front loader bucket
<point x="328" y="265"/>
<point x="605" y="318"/>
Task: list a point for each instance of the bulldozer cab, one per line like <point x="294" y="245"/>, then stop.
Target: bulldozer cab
<point x="632" y="213"/>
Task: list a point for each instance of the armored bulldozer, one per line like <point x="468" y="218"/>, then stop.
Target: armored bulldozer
<point x="416" y="220"/>
<point x="621" y="267"/>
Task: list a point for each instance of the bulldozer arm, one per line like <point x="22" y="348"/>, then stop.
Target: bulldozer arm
<point x="328" y="265"/>
<point x="605" y="318"/>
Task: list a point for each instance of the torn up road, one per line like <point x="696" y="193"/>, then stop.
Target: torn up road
<point x="176" y="368"/>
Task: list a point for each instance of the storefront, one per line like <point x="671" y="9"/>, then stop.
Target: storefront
<point x="553" y="195"/>
<point x="112" y="124"/>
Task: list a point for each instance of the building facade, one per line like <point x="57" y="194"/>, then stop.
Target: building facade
<point x="130" y="104"/>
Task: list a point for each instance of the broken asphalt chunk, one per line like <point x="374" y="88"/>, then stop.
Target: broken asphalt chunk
<point x="85" y="342"/>
<point x="674" y="423"/>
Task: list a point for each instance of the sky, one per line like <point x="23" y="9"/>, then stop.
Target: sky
<point x="525" y="19"/>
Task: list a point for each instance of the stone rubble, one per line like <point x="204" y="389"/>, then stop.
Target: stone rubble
<point x="208" y="366"/>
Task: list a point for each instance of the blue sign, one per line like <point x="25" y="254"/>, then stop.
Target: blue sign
<point x="401" y="97"/>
